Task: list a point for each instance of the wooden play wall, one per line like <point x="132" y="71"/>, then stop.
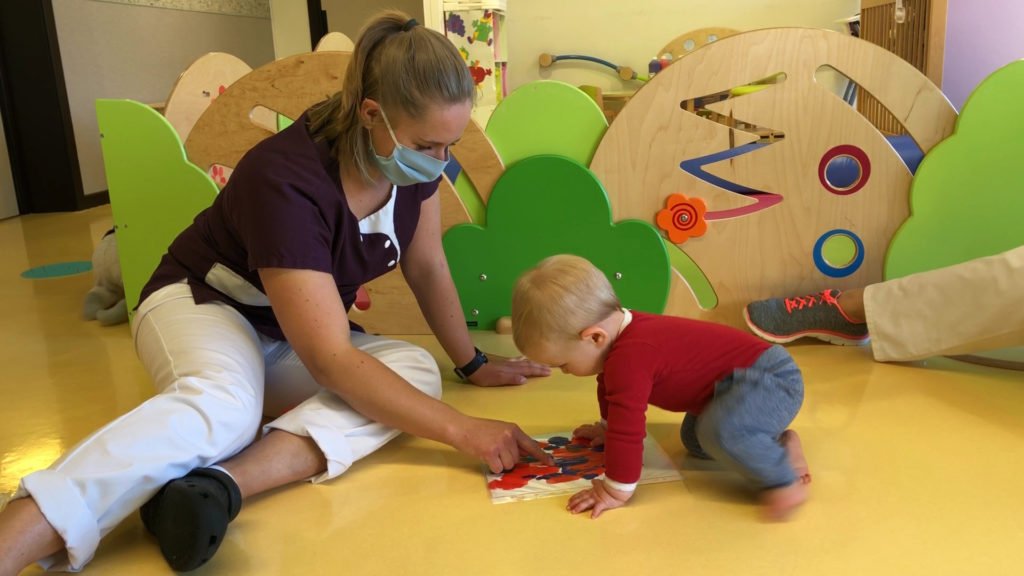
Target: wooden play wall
<point x="768" y="240"/>
<point x="763" y="242"/>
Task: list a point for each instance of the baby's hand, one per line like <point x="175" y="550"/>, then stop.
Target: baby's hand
<point x="600" y="498"/>
<point x="593" y="432"/>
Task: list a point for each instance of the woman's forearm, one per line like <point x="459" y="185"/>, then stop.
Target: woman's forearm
<point x="439" y="300"/>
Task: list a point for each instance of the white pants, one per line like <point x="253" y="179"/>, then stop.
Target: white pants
<point x="969" y="307"/>
<point x="214" y="375"/>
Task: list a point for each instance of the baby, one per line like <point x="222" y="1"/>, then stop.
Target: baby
<point x="739" y="393"/>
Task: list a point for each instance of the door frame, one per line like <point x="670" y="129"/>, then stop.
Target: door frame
<point x="37" y="117"/>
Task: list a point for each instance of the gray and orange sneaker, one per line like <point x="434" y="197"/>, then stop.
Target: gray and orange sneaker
<point x="782" y="320"/>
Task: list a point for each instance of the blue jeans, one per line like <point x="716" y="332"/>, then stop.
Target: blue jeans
<point x="741" y="425"/>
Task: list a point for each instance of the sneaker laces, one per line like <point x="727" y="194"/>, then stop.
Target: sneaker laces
<point x="825" y="297"/>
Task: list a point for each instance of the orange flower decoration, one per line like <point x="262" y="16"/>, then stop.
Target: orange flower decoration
<point x="683" y="218"/>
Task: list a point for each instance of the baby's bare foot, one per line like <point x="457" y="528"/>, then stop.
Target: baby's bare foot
<point x="790" y="440"/>
<point x="778" y="504"/>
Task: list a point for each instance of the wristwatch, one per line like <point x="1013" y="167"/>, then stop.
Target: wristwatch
<point x="472" y="366"/>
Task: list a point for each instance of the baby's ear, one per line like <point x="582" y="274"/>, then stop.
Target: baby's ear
<point x="594" y="334"/>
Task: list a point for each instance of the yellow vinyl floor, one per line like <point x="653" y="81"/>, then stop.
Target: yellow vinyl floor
<point x="918" y="468"/>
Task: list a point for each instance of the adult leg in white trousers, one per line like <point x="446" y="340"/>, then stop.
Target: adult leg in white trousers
<point x="960" y="309"/>
<point x="318" y="436"/>
<point x="207" y="365"/>
<point x="341" y="434"/>
<point x="319" y="439"/>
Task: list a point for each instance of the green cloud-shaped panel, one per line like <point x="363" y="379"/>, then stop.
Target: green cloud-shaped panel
<point x="546" y="117"/>
<point x="548" y="205"/>
<point x="967" y="198"/>
<point x="155" y="192"/>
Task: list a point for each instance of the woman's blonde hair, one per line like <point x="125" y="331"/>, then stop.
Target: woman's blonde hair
<point x="558" y="299"/>
<point x="402" y="66"/>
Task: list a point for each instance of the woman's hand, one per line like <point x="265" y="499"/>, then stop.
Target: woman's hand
<point x="497" y="443"/>
<point x="501" y="371"/>
<point x="600" y="498"/>
<point x="593" y="432"/>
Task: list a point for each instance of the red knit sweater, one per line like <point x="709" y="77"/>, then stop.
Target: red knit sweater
<point x="669" y="362"/>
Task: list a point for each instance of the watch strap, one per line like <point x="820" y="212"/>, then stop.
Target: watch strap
<point x="464" y="372"/>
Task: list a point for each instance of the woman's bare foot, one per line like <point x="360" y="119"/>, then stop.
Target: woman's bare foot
<point x="778" y="504"/>
<point x="790" y="440"/>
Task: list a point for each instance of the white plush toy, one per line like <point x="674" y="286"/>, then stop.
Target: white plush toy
<point x="105" y="302"/>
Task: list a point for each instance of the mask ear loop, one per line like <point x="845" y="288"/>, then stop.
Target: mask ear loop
<point x="447" y="149"/>
<point x="388" y="124"/>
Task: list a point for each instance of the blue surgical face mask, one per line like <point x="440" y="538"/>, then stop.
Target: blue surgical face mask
<point x="406" y="166"/>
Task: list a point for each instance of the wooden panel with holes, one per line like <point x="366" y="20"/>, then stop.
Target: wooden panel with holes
<point x="919" y="39"/>
<point x="227" y="130"/>
<point x="198" y="86"/>
<point x="772" y="210"/>
<point x="685" y="43"/>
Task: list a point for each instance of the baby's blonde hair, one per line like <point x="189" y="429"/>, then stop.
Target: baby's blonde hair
<point x="558" y="299"/>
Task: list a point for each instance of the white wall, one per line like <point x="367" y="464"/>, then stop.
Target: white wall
<point x="8" y="201"/>
<point x="982" y="36"/>
<point x="290" y="22"/>
<point x="349" y="16"/>
<point x="630" y="33"/>
<point x="126" y="51"/>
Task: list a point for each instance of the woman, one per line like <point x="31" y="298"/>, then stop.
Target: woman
<point x="246" y="315"/>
